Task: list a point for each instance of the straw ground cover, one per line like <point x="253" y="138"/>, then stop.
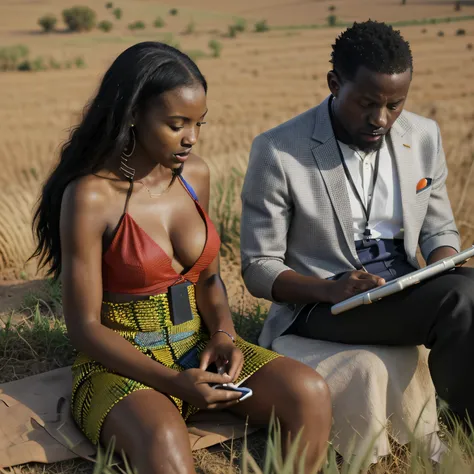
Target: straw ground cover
<point x="259" y="80"/>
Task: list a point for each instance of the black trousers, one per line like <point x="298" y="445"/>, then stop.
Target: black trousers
<point x="438" y="313"/>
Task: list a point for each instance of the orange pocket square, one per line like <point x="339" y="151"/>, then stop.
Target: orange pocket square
<point x="423" y="184"/>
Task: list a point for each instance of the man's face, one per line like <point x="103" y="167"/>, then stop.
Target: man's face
<point x="366" y="107"/>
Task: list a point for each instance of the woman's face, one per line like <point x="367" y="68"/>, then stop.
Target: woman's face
<point x="169" y="126"/>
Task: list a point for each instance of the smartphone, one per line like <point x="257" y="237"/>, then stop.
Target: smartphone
<point x="190" y="359"/>
<point x="180" y="307"/>
<point x="246" y="392"/>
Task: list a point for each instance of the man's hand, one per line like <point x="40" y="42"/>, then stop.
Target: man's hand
<point x="353" y="283"/>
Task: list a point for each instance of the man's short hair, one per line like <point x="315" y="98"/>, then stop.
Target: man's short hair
<point x="377" y="46"/>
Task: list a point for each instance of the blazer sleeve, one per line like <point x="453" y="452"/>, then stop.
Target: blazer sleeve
<point x="266" y="215"/>
<point x="439" y="228"/>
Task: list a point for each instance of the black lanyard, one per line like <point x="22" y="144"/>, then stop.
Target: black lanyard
<point x="367" y="232"/>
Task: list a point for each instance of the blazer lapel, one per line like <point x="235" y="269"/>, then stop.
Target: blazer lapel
<point x="400" y="139"/>
<point x="327" y="158"/>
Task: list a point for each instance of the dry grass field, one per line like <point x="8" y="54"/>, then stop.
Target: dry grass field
<point x="260" y="80"/>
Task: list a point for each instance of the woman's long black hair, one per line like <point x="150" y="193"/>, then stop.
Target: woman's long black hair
<point x="141" y="72"/>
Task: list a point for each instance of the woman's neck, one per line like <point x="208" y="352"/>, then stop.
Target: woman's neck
<point x="146" y="168"/>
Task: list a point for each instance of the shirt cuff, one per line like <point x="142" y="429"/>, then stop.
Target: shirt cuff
<point x="450" y="239"/>
<point x="259" y="277"/>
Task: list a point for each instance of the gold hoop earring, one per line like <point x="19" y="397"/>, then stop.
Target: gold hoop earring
<point x="127" y="170"/>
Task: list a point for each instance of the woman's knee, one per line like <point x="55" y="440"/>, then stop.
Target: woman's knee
<point x="162" y="448"/>
<point x="310" y="388"/>
<point x="305" y="391"/>
<point x="150" y="430"/>
<point x="171" y="437"/>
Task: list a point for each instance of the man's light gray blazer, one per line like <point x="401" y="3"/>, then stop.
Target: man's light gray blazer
<point x="296" y="213"/>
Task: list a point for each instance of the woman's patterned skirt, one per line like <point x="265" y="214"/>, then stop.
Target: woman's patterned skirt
<point x="147" y="325"/>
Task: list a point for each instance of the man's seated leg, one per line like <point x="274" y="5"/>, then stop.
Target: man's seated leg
<point x="437" y="313"/>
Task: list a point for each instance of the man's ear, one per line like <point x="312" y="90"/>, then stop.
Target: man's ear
<point x="334" y="83"/>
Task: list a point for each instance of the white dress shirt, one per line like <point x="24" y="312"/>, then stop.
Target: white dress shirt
<point x="386" y="216"/>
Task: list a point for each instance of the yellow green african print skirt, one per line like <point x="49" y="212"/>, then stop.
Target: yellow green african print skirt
<point x="147" y="325"/>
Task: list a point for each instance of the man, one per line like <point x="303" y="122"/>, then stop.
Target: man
<point x="337" y="200"/>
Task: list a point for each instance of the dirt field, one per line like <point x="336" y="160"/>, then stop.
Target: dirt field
<point x="211" y="13"/>
<point x="259" y="81"/>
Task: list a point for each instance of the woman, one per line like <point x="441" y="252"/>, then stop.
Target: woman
<point x="123" y="219"/>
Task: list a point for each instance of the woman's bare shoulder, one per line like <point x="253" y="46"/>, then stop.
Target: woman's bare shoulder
<point x="90" y="193"/>
<point x="196" y="172"/>
<point x="196" y="167"/>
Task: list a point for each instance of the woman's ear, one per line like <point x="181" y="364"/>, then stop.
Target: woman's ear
<point x="134" y="117"/>
<point x="334" y="83"/>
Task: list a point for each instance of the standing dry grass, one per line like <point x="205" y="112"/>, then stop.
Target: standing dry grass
<point x="259" y="81"/>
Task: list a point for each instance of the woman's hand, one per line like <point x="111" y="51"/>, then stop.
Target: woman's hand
<point x="224" y="353"/>
<point x="194" y="386"/>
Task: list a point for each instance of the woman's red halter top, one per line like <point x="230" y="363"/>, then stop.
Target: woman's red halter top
<point x="135" y="264"/>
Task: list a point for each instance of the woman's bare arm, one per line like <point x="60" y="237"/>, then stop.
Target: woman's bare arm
<point x="210" y="290"/>
<point x="82" y="227"/>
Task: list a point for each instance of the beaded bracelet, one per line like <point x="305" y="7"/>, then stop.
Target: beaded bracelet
<point x="225" y="332"/>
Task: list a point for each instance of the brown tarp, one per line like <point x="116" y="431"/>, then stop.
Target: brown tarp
<point x="36" y="424"/>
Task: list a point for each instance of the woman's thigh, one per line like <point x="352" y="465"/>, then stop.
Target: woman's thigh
<point x="148" y="427"/>
<point x="287" y="386"/>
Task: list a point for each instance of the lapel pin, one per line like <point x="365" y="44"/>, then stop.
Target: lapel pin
<point x="406" y="146"/>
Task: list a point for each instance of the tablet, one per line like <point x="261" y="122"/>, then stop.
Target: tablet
<point x="405" y="281"/>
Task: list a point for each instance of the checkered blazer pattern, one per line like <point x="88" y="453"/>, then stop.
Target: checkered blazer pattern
<point x="296" y="213"/>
